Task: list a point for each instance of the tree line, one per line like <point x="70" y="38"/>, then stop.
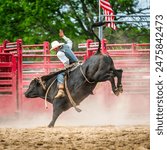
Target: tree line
<point x="36" y="21"/>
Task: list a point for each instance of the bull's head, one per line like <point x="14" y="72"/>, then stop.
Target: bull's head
<point x="32" y="91"/>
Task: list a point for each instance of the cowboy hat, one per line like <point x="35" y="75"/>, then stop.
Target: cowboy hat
<point x="55" y="44"/>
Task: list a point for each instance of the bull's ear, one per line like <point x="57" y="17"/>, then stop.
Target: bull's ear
<point x="36" y="81"/>
<point x="37" y="78"/>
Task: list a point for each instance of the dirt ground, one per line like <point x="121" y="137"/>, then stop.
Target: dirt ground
<point x="136" y="137"/>
<point x="121" y="125"/>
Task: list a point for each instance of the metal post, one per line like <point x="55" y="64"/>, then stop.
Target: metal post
<point x="1" y="49"/>
<point x="88" y="52"/>
<point x="19" y="72"/>
<point x="14" y="82"/>
<point x="4" y="45"/>
<point x="133" y="47"/>
<point x="46" y="59"/>
<point x="103" y="46"/>
<point x="101" y="27"/>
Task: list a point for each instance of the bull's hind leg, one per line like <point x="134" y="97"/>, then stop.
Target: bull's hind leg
<point x="118" y="74"/>
<point x="114" y="88"/>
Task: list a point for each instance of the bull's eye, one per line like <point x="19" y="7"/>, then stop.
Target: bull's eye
<point x="37" y="84"/>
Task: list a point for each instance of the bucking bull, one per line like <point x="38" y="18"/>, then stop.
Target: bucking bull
<point x="80" y="81"/>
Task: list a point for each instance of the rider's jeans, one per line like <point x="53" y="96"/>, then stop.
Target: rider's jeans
<point x="60" y="78"/>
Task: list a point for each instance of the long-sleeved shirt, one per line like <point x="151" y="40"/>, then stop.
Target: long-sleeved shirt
<point x="65" y="53"/>
<point x="68" y="41"/>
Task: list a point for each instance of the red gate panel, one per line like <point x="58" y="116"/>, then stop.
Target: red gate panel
<point x="19" y="64"/>
<point x="8" y="96"/>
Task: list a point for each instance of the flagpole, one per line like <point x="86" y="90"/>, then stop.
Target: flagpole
<point x="100" y="28"/>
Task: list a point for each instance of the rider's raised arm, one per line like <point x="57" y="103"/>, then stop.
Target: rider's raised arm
<point x="68" y="41"/>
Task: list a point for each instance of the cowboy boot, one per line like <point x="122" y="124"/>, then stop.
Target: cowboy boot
<point x="60" y="92"/>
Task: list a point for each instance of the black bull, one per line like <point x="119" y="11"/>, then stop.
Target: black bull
<point x="81" y="83"/>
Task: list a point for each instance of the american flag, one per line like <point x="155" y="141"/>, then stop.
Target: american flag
<point x="105" y="5"/>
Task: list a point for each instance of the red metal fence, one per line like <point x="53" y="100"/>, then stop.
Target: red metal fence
<point x="20" y="63"/>
<point x="133" y="58"/>
<point x="8" y="90"/>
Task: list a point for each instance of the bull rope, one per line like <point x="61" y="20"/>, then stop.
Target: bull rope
<point x="85" y="76"/>
<point x="70" y="97"/>
<point x="46" y="103"/>
<point x="67" y="90"/>
<point x="68" y="94"/>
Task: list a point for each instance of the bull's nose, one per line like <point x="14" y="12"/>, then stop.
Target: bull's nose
<point x="26" y="95"/>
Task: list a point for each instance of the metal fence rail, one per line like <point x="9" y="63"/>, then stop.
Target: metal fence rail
<point x="19" y="64"/>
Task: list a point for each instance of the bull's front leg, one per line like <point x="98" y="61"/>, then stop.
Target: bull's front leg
<point x="57" y="110"/>
<point x="114" y="88"/>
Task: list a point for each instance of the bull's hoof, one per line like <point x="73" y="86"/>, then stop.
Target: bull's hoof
<point x="116" y="92"/>
<point x="120" y="89"/>
<point x="50" y="126"/>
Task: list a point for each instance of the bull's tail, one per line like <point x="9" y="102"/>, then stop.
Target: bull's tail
<point x="98" y="24"/>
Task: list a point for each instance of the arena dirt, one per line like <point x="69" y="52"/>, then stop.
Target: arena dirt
<point x="104" y="124"/>
<point x="134" y="137"/>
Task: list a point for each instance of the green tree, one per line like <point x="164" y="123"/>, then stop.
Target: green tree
<point x="36" y="21"/>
